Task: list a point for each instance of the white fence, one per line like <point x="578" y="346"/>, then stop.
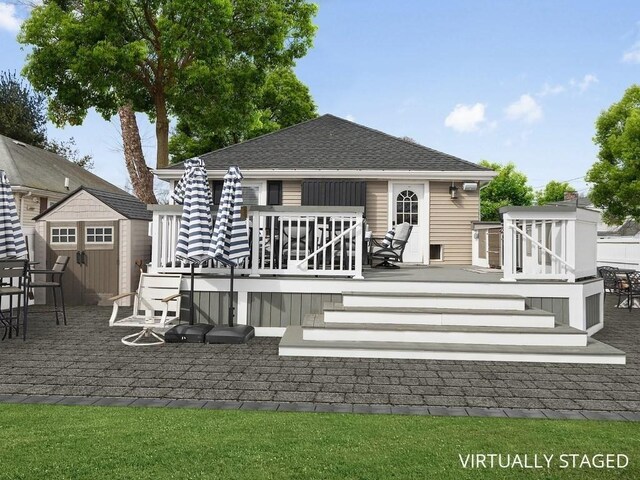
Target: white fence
<point x="553" y="243"/>
<point x="309" y="241"/>
<point x="621" y="252"/>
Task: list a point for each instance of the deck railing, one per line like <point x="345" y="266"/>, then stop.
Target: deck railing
<point x="552" y="243"/>
<point x="308" y="241"/>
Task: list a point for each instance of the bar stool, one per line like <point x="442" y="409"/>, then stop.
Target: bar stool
<point x="55" y="283"/>
<point x="14" y="281"/>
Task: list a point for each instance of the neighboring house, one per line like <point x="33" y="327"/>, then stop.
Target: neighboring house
<point x="104" y="233"/>
<point x="40" y="178"/>
<point x="329" y="161"/>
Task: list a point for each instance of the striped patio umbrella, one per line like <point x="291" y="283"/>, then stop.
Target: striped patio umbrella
<point x="230" y="243"/>
<point x="194" y="237"/>
<point x="12" y="244"/>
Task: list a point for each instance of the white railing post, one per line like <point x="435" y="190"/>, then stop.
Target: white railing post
<point x="571" y="251"/>
<point x="156" y="241"/>
<point x="359" y="244"/>
<point x="508" y="269"/>
<point x="255" y="244"/>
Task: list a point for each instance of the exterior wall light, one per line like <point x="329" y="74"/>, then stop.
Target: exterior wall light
<point x="453" y="191"/>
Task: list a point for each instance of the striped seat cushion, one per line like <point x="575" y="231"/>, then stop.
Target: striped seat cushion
<point x="388" y="238"/>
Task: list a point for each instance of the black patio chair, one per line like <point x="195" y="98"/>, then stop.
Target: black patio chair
<point x="392" y="252"/>
<point x="632" y="287"/>
<point x="14" y="283"/>
<point x="610" y="278"/>
<point x="54" y="283"/>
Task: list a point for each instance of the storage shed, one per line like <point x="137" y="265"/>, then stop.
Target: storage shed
<point x="105" y="234"/>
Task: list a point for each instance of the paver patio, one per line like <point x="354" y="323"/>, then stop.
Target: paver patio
<point x="85" y="363"/>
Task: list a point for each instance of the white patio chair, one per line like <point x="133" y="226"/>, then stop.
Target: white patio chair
<point x="156" y="293"/>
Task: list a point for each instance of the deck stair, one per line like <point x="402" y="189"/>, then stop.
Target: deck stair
<point x="442" y="327"/>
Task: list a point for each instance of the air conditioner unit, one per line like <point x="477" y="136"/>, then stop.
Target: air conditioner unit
<point x="470" y="186"/>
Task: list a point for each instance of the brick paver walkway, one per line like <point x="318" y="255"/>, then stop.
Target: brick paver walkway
<point x="85" y="363"/>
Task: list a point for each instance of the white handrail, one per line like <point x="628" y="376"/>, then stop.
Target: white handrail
<point x="550" y="252"/>
<point x="331" y="242"/>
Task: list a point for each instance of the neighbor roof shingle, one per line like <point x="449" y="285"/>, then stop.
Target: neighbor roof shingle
<point x="332" y="143"/>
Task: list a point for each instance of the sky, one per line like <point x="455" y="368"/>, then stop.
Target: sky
<point x="505" y="81"/>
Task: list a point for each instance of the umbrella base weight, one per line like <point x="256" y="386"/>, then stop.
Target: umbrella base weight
<point x="233" y="335"/>
<point x="187" y="333"/>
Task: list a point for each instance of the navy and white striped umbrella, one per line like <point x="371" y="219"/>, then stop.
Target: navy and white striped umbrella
<point x="230" y="243"/>
<point x="194" y="194"/>
<point x="12" y="244"/>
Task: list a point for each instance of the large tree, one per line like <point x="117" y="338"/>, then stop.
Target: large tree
<point x="22" y="112"/>
<point x="282" y="101"/>
<point x="509" y="187"/>
<point x="160" y="57"/>
<point x="23" y="117"/>
<point x="553" y="192"/>
<point x="616" y="174"/>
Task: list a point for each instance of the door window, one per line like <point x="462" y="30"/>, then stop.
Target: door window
<point x="407" y="208"/>
<point x="99" y="235"/>
<point x="63" y="234"/>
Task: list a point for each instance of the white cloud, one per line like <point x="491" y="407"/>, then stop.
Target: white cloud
<point x="551" y="90"/>
<point x="525" y="109"/>
<point x="632" y="55"/>
<point x="466" y="118"/>
<point x="584" y="84"/>
<point x="8" y="19"/>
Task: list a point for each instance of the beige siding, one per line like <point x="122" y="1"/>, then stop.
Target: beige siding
<point x="291" y="193"/>
<point x="450" y="221"/>
<point x="378" y="207"/>
<point x="81" y="207"/>
<point x="140" y="249"/>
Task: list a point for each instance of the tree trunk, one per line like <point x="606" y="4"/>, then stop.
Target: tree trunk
<point x="140" y="175"/>
<point x="162" y="132"/>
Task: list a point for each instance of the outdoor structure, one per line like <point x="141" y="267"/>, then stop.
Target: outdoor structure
<point x="486" y="244"/>
<point x="40" y="178"/>
<point x="104" y="233"/>
<point x="307" y="277"/>
<point x="329" y="162"/>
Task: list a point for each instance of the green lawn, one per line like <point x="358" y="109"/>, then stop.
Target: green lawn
<point x="50" y="442"/>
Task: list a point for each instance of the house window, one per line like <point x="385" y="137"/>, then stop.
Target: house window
<point x="435" y="252"/>
<point x="99" y="235"/>
<point x="407" y="208"/>
<point x="250" y="193"/>
<point x="63" y="235"/>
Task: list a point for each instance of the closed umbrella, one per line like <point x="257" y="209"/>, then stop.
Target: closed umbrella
<point x="230" y="243"/>
<point x="12" y="244"/>
<point x="194" y="237"/>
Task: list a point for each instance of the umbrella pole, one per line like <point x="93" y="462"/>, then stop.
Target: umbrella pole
<point x="231" y="296"/>
<point x="191" y="305"/>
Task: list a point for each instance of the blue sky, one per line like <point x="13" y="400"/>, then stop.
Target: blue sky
<point x="500" y="80"/>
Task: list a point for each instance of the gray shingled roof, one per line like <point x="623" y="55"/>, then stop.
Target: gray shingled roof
<point x="33" y="167"/>
<point x="123" y="203"/>
<point x="332" y="143"/>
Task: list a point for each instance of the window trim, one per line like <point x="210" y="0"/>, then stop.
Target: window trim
<point x="103" y="234"/>
<point x="67" y="235"/>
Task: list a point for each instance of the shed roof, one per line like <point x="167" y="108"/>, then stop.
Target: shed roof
<point x="332" y="143"/>
<point x="125" y="204"/>
<point x="33" y="167"/>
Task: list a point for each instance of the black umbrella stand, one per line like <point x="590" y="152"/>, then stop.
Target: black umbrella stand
<point x="230" y="333"/>
<point x="192" y="307"/>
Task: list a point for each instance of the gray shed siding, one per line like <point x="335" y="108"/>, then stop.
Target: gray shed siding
<point x="593" y="310"/>
<point x="557" y="306"/>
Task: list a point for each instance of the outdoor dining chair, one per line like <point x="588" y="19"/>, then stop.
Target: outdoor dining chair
<point x="14" y="282"/>
<point x="610" y="278"/>
<point x="632" y="288"/>
<point x="54" y="282"/>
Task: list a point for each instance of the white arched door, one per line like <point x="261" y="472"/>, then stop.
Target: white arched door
<point x="408" y="206"/>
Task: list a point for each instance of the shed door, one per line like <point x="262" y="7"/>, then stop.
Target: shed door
<point x="100" y="260"/>
<point x="63" y="238"/>
<point x="93" y="271"/>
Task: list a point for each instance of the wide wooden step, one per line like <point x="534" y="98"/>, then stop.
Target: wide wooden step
<point x="433" y="300"/>
<point x="315" y="328"/>
<point x="529" y="317"/>
<point x="293" y="344"/>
